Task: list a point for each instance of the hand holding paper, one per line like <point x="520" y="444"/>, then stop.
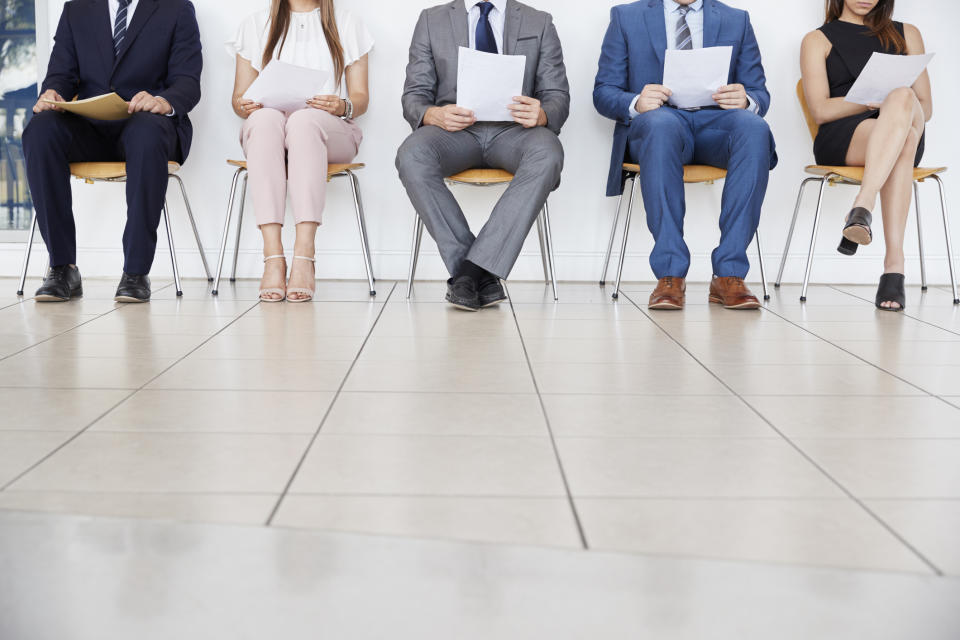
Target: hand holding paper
<point x="694" y="75"/>
<point x="883" y="74"/>
<point x="286" y="87"/>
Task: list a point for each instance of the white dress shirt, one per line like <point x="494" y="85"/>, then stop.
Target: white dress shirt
<point x="497" y="18"/>
<point x="671" y="18"/>
<point x="114" y="6"/>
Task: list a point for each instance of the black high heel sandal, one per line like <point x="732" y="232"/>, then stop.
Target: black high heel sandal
<point x="858" y="227"/>
<point x="847" y="248"/>
<point x="892" y="289"/>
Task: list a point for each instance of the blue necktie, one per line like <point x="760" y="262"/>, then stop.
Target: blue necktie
<point x="485" y="40"/>
<point x="120" y="26"/>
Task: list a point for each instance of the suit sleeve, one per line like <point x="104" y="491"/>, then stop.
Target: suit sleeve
<point x="185" y="63"/>
<point x="420" y="86"/>
<point x="63" y="72"/>
<point x="749" y="70"/>
<point x="552" y="87"/>
<point x="611" y="95"/>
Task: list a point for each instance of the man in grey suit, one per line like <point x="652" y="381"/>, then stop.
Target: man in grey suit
<point x="447" y="139"/>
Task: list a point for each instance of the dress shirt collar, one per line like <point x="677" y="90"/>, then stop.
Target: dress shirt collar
<point x="673" y="6"/>
<point x="501" y="5"/>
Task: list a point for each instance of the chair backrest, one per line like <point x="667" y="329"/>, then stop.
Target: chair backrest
<point x="811" y="123"/>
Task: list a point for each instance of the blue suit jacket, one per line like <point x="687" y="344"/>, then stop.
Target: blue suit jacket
<point x="632" y="57"/>
<point x="160" y="54"/>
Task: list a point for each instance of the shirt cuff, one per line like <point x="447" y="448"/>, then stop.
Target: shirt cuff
<point x="173" y="111"/>
<point x="633" y="106"/>
<point x="752" y="106"/>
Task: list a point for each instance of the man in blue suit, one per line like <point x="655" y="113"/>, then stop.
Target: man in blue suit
<point x="148" y="52"/>
<point x="731" y="134"/>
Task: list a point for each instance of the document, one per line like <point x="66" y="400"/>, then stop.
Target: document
<point x="884" y="73"/>
<point x="286" y="87"/>
<point x="109" y="106"/>
<point x="488" y="82"/>
<point x="694" y="75"/>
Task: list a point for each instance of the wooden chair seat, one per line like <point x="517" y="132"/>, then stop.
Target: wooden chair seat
<point x="332" y="169"/>
<point x="482" y="177"/>
<point x="855" y="174"/>
<point x="692" y="173"/>
<point x="91" y="171"/>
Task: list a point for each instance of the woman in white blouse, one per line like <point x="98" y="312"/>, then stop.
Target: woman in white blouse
<point x="290" y="151"/>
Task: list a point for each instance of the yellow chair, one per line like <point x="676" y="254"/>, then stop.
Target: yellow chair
<point x="93" y="172"/>
<point x="828" y="175"/>
<point x="333" y="171"/>
<point x="490" y="178"/>
<point x="692" y="174"/>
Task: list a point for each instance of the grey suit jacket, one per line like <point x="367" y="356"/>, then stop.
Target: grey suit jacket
<point x="432" y="70"/>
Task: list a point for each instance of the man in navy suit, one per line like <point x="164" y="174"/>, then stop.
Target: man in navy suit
<point x="730" y="134"/>
<point x="148" y="52"/>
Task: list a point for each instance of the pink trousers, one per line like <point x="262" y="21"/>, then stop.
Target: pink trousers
<point x="291" y="152"/>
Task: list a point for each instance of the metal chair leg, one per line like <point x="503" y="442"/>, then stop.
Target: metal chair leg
<point x="226" y="230"/>
<point x="26" y="257"/>
<point x="551" y="258"/>
<point x="948" y="237"/>
<point x="173" y="250"/>
<point x="923" y="257"/>
<point x="193" y="225"/>
<point x="414" y="252"/>
<point x="362" y="225"/>
<point x="793" y="225"/>
<point x="813" y="240"/>
<point x="626" y="235"/>
<point x="541" y="237"/>
<point x="236" y="244"/>
<point x="763" y="271"/>
<point x="613" y="235"/>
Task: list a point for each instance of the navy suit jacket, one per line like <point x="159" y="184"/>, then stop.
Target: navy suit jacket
<point x="632" y="57"/>
<point x="160" y="54"/>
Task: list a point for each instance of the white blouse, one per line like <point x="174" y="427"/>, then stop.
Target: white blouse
<point x="306" y="44"/>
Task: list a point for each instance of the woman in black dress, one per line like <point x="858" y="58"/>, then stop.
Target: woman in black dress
<point x="886" y="139"/>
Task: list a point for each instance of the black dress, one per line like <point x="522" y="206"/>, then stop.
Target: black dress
<point x="853" y="44"/>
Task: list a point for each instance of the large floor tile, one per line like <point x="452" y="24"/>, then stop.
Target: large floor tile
<point x="307" y="319"/>
<point x="936" y="379"/>
<point x="19" y="450"/>
<point x="90" y="373"/>
<point x="55" y="409"/>
<point x="833" y="533"/>
<point x="444" y="349"/>
<point x="863" y="417"/>
<point x="416" y="376"/>
<point x="250" y="509"/>
<point x="645" y="379"/>
<point x="134" y="324"/>
<point x="891" y="468"/>
<point x="570" y="293"/>
<point x="440" y="321"/>
<point x="577" y="311"/>
<point x="761" y="352"/>
<point x="440" y="414"/>
<point x="92" y="345"/>
<point x="528" y="521"/>
<point x="565" y="328"/>
<point x="890" y="353"/>
<point x="169" y="463"/>
<point x="690" y="467"/>
<point x="447" y="466"/>
<point x="194" y="306"/>
<point x="803" y="380"/>
<point x="736" y="331"/>
<point x="932" y="526"/>
<point x="192" y="411"/>
<point x="302" y="345"/>
<point x="11" y="343"/>
<point x="890" y="330"/>
<point x="254" y="375"/>
<point x="644" y="416"/>
<point x="654" y="350"/>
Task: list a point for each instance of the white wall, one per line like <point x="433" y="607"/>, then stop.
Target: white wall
<point x="581" y="213"/>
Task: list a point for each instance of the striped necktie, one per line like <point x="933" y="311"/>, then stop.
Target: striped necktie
<point x="120" y="26"/>
<point x="684" y="37"/>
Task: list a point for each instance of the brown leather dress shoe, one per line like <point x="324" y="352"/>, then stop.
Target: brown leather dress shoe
<point x="670" y="294"/>
<point x="732" y="293"/>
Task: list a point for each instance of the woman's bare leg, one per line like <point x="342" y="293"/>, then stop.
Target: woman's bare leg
<point x="302" y="272"/>
<point x="274" y="271"/>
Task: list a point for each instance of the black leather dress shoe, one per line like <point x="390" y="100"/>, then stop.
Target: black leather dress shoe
<point x="491" y="293"/>
<point x="462" y="293"/>
<point x="60" y="285"/>
<point x="133" y="289"/>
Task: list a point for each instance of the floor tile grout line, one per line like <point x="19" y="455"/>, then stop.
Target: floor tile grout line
<point x="121" y="305"/>
<point x="326" y="414"/>
<point x="904" y="312"/>
<point x="578" y="522"/>
<point x="893" y="532"/>
<point x="132" y="393"/>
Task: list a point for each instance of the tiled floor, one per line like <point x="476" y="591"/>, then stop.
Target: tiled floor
<point x="825" y="435"/>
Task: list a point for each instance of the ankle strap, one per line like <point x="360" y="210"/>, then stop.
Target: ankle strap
<point x="278" y="257"/>
<point x="304" y="258"/>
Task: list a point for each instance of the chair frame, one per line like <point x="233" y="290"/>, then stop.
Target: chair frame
<point x="166" y="219"/>
<point x="544" y="234"/>
<point x="633" y="177"/>
<point x="242" y="171"/>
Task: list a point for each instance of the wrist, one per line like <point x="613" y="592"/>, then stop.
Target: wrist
<point x="542" y="118"/>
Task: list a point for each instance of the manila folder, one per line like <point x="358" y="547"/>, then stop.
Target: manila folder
<point x="109" y="106"/>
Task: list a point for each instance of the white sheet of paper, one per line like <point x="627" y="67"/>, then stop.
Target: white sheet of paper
<point x="285" y="86"/>
<point x="694" y="75"/>
<point x="884" y="73"/>
<point x="488" y="82"/>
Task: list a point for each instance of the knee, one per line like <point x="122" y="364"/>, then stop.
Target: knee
<point x="309" y="122"/>
<point x="902" y="102"/>
<point x="145" y="131"/>
<point x="750" y="128"/>
<point x="264" y="119"/>
<point x="45" y="127"/>
<point x="658" y="126"/>
<point x="546" y="153"/>
<point x="416" y="158"/>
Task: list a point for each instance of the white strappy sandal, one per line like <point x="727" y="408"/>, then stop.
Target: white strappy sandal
<point x="308" y="293"/>
<point x="280" y="292"/>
